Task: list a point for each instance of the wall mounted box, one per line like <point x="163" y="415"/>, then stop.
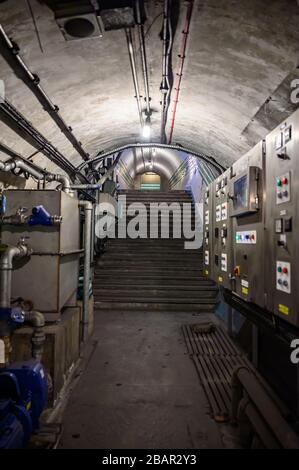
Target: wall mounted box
<point x="247" y="214"/>
<point x="49" y="278"/>
<point x="282" y="220"/>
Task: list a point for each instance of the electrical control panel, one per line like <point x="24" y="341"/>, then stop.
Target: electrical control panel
<point x="252" y="221"/>
<point x="221" y="260"/>
<point x="246" y="199"/>
<point x="208" y="232"/>
<point x="281" y="224"/>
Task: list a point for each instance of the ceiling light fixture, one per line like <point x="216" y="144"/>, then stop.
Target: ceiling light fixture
<point x="146" y="131"/>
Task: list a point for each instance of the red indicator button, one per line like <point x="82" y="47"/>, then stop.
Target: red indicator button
<point x="284" y="270"/>
<point x="284" y="180"/>
<point x="252" y="236"/>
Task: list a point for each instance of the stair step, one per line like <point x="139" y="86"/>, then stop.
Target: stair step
<point x="154" y="270"/>
<point x="196" y="281"/>
<point x="176" y="307"/>
<point x="153" y="295"/>
<point x="147" y="299"/>
<point x="98" y="286"/>
<point x="150" y="265"/>
<point x="150" y="255"/>
<point x="144" y="242"/>
<point x="148" y="202"/>
<point x="138" y="249"/>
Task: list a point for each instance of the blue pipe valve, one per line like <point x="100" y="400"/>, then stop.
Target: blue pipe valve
<point x="40" y="216"/>
<point x="13" y="316"/>
<point x="3" y="203"/>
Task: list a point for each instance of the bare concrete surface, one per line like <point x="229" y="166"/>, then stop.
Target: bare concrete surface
<point x="238" y="55"/>
<point x="140" y="388"/>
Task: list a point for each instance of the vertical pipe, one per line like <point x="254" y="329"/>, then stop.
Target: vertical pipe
<point x="165" y="83"/>
<point x="143" y="57"/>
<point x="88" y="207"/>
<point x="92" y="234"/>
<point x="6" y="267"/>
<point x="134" y="72"/>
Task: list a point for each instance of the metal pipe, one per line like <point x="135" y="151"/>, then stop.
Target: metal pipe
<point x="16" y="121"/>
<point x="134" y="72"/>
<point x="6" y="266"/>
<point x="143" y="57"/>
<point x="243" y="378"/>
<point x="10" y="51"/>
<point x="37" y="320"/>
<point x="88" y="208"/>
<point x="64" y="180"/>
<point x="15" y="155"/>
<point x="17" y="163"/>
<point x="165" y="87"/>
<point x="94" y="187"/>
<point x="110" y="171"/>
<point x="92" y="242"/>
<point x="262" y="429"/>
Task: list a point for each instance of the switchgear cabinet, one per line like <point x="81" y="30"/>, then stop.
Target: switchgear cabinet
<point x="247" y="203"/>
<point x="282" y="214"/>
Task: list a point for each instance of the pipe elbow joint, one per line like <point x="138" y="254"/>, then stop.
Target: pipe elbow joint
<point x="88" y="206"/>
<point x="7" y="257"/>
<point x="37" y="319"/>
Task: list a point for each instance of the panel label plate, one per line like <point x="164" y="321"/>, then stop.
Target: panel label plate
<point x="247" y="237"/>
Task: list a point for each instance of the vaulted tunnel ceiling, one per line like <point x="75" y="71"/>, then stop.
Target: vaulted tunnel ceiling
<point x="239" y="61"/>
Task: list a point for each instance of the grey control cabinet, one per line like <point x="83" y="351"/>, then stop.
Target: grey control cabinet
<point x="282" y="220"/>
<point x="247" y="202"/>
<point x="49" y="278"/>
<point x="251" y="222"/>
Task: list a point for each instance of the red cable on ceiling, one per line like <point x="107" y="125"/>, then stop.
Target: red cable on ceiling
<point x="179" y="74"/>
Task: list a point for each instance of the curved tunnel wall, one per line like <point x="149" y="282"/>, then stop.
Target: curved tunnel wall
<point x="180" y="169"/>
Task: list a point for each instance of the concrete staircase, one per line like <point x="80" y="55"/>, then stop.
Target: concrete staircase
<point x="149" y="275"/>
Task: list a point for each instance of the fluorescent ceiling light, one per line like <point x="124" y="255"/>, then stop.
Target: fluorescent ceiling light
<point x="146" y="131"/>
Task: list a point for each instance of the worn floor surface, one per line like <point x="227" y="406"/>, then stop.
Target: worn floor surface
<point x="140" y="388"/>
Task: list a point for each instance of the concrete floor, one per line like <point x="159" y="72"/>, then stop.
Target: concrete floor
<point x="140" y="388"/>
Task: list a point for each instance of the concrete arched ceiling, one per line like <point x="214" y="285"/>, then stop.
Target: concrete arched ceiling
<point x="240" y="58"/>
